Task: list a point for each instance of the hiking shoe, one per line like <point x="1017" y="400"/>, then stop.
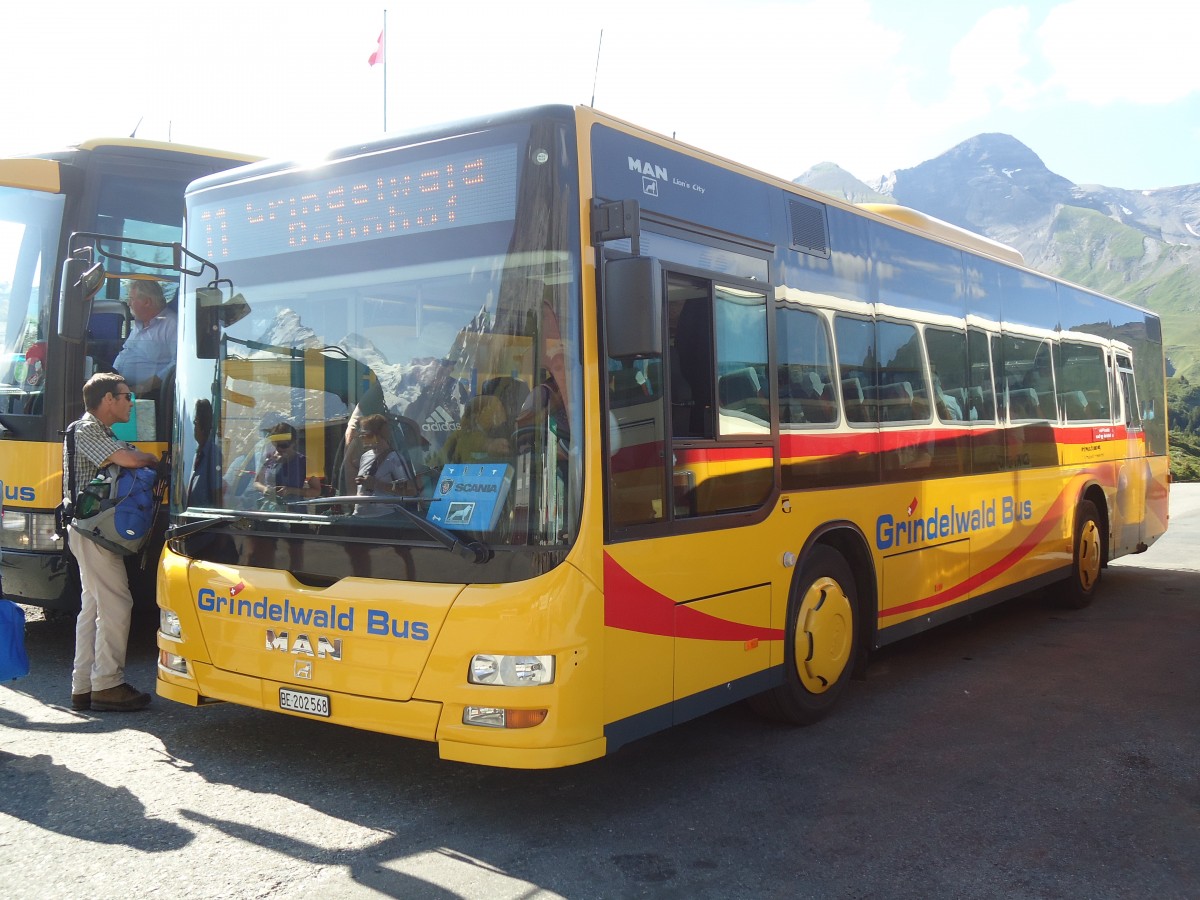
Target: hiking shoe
<point x="81" y="702"/>
<point x="122" y="698"/>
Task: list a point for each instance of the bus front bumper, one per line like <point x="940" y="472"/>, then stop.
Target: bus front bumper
<point x="417" y="719"/>
<point x="46" y="579"/>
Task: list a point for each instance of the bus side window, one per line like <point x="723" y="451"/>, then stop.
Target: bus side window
<point x="692" y="374"/>
<point x="857" y="367"/>
<point x="1129" y="392"/>
<point x="805" y="374"/>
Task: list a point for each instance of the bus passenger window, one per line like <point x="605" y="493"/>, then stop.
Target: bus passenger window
<point x="806" y="394"/>
<point x="743" y="391"/>
<point x="1082" y="382"/>
<point x="948" y="369"/>
<point x="981" y="392"/>
<point x="857" y="368"/>
<point x="691" y="384"/>
<point x="902" y="394"/>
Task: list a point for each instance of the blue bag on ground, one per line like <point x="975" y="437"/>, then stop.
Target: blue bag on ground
<point x="14" y="663"/>
<point x="117" y="509"/>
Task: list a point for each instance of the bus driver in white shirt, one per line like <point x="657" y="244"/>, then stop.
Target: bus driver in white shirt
<point x="149" y="351"/>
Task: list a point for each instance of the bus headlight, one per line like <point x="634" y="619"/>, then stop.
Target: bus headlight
<point x="494" y="717"/>
<point x="511" y="671"/>
<point x="29" y="531"/>
<point x="172" y="662"/>
<point x="169" y="625"/>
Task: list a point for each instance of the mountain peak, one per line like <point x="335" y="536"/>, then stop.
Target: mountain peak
<point x="833" y="179"/>
<point x="1001" y="151"/>
<point x="1002" y="175"/>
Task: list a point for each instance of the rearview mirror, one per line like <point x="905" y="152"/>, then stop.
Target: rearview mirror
<point x="81" y="281"/>
<point x="214" y="313"/>
<point x="633" y="307"/>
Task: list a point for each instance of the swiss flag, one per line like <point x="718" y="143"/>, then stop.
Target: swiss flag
<point x="377" y="56"/>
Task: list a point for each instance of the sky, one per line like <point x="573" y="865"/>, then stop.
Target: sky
<point x="1104" y="91"/>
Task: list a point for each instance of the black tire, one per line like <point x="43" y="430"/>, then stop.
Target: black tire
<point x="1087" y="561"/>
<point x="822" y="633"/>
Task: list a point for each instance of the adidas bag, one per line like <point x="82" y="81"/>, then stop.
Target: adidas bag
<point x="117" y="509"/>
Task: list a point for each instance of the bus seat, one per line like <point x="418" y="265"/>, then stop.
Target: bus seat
<point x="806" y="385"/>
<point x="979" y="406"/>
<point x="1023" y="403"/>
<point x="857" y="409"/>
<point x="738" y="387"/>
<point x="512" y="392"/>
<point x="626" y="389"/>
<point x="1074" y="406"/>
<point x="957" y="407"/>
<point x="896" y="402"/>
<point x="106" y="332"/>
<point x="1097" y="404"/>
<point x="106" y="326"/>
<point x="1047" y="404"/>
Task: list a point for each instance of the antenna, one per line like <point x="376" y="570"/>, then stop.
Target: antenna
<point x="133" y="133"/>
<point x="596" y="74"/>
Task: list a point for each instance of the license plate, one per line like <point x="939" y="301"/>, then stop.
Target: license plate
<point x="299" y="701"/>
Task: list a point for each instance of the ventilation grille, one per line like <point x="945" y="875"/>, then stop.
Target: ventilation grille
<point x="810" y="234"/>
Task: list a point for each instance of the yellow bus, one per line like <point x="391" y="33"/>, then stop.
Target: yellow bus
<point x="121" y="187"/>
<point x="534" y="435"/>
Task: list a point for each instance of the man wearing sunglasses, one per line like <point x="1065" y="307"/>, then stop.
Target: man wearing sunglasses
<point x="102" y="629"/>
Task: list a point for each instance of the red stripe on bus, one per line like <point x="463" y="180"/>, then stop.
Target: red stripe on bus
<point x="793" y="445"/>
<point x="632" y="605"/>
<point x="721" y="454"/>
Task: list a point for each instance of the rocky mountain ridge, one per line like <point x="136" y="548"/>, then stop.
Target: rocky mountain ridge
<point x="1140" y="245"/>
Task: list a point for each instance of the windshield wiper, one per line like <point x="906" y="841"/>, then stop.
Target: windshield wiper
<point x="182" y="531"/>
<point x="471" y="551"/>
<point x="214" y="517"/>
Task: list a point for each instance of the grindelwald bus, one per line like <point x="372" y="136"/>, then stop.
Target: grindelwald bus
<point x="127" y="189"/>
<point x="536" y="434"/>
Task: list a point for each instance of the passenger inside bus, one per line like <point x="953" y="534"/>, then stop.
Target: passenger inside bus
<point x="382" y="469"/>
<point x="484" y="434"/>
<point x="148" y="355"/>
<point x="283" y="476"/>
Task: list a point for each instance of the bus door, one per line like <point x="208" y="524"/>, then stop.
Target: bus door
<point x="691" y="455"/>
<point x="1132" y="475"/>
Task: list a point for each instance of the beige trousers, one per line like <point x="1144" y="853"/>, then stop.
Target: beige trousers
<point x="102" y="629"/>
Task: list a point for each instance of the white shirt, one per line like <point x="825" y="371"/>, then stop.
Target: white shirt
<point x="149" y="350"/>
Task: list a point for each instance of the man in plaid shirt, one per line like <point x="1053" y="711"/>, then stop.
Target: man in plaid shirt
<point x="102" y="630"/>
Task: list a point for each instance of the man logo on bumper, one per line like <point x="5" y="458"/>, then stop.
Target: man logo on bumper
<point x="303" y="645"/>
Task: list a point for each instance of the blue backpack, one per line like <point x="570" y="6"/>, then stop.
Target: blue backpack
<point x="117" y="509"/>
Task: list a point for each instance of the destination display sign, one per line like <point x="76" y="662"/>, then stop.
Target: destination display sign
<point x="473" y="187"/>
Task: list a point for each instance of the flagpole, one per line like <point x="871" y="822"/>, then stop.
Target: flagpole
<point x="385" y="58"/>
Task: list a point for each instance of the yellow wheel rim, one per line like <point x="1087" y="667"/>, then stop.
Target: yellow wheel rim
<point x="1089" y="555"/>
<point x="824" y="630"/>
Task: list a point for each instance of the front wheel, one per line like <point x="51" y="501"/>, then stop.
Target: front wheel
<point x="822" y="628"/>
<point x="1087" y="560"/>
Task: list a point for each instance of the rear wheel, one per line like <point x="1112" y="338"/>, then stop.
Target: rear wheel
<point x="821" y="630"/>
<point x="1087" y="560"/>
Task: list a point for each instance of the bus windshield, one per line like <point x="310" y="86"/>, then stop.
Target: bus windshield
<point x="30" y="224"/>
<point x="361" y="376"/>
